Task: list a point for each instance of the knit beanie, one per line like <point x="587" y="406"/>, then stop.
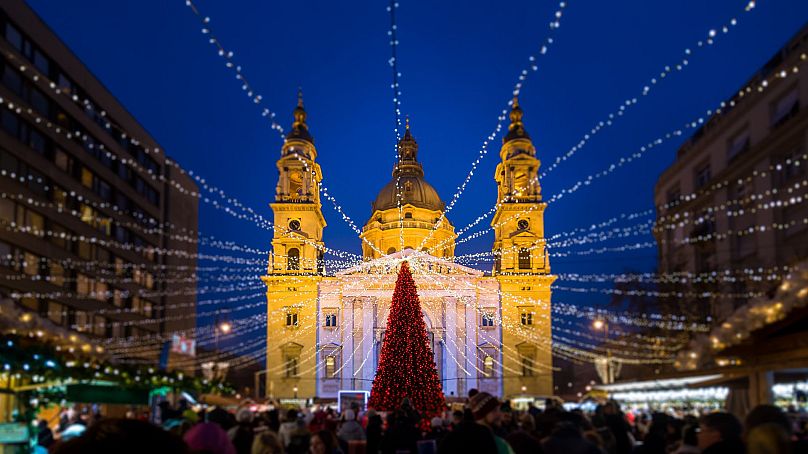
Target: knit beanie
<point x="481" y="404"/>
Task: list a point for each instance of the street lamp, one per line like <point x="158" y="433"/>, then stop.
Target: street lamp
<point x="295" y="390"/>
<point x="224" y="328"/>
<point x="602" y="324"/>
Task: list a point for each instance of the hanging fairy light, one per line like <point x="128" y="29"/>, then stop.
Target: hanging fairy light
<point x="657" y="79"/>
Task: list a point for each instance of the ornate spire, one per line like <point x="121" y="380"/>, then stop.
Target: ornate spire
<point x="516" y="130"/>
<point x="408" y="154"/>
<point x="300" y="130"/>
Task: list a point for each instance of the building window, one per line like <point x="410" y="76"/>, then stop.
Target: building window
<point x="737" y="145"/>
<point x="291" y="319"/>
<point x="320" y="263"/>
<point x="291" y="365"/>
<point x="392" y="250"/>
<point x="789" y="166"/>
<point x="786" y="107"/>
<point x="487" y="320"/>
<point x="55" y="312"/>
<point x="293" y="259"/>
<point x="330" y="366"/>
<point x="408" y="215"/>
<point x="673" y="195"/>
<point x="488" y="366"/>
<point x="30" y="264"/>
<point x="62" y="160"/>
<point x="7" y="211"/>
<point x="56" y="273"/>
<point x="527" y="317"/>
<point x="14" y="37"/>
<point x="701" y="176"/>
<point x="331" y="320"/>
<point x="527" y="365"/>
<point x="524" y="259"/>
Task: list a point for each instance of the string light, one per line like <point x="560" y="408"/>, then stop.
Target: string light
<point x="229" y="63"/>
<point x="657" y="79"/>
<point x="521" y="79"/>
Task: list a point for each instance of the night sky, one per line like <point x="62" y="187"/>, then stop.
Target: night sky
<point x="459" y="62"/>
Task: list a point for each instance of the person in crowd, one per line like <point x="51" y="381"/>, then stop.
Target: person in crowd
<point x="241" y="435"/>
<point x="770" y="414"/>
<point x="656" y="439"/>
<point x="402" y="432"/>
<point x="599" y="425"/>
<point x="690" y="440"/>
<point x="478" y="436"/>
<point x="523" y="440"/>
<point x="436" y="430"/>
<point x="299" y="438"/>
<point x="350" y="428"/>
<point x="222" y="417"/>
<point x="457" y="419"/>
<point x="267" y="442"/>
<point x="324" y="442"/>
<point x="273" y="420"/>
<point x="616" y="422"/>
<point x="568" y="438"/>
<point x="374" y="432"/>
<point x="506" y="422"/>
<point x="209" y="438"/>
<point x="44" y="435"/>
<point x="288" y="426"/>
<point x="720" y="433"/>
<point x="768" y="438"/>
<point x="123" y="436"/>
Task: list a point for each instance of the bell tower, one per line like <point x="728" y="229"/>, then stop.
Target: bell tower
<point x="296" y="266"/>
<point x="521" y="265"/>
<point x="298" y="240"/>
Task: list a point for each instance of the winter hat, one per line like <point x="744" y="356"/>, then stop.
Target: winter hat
<point x="481" y="404"/>
<point x="209" y="437"/>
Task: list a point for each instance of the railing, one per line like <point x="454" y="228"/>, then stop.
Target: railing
<point x="406" y="225"/>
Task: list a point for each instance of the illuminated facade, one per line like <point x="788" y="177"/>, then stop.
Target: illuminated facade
<point x="489" y="331"/>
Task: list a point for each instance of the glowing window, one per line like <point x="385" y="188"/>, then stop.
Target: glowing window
<point x="293" y="259"/>
<point x="488" y="366"/>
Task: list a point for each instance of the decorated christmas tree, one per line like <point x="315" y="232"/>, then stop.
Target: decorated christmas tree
<point x="406" y="364"/>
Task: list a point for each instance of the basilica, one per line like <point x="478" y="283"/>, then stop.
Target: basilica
<point x="489" y="330"/>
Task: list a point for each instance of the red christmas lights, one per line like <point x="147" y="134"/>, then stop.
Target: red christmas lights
<point x="406" y="363"/>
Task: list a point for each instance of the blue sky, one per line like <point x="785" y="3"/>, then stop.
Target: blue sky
<point x="459" y="62"/>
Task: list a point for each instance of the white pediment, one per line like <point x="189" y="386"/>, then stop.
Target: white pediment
<point x="419" y="261"/>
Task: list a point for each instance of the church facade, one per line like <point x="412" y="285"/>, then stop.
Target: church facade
<point x="488" y="330"/>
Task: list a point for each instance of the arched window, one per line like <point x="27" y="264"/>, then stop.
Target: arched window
<point x="293" y="259"/>
<point x="392" y="250"/>
<point x="488" y="366"/>
<point x="330" y="366"/>
<point x="320" y="263"/>
<point x="408" y="215"/>
<point x="524" y="259"/>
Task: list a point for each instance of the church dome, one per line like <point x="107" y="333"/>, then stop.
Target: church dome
<point x="414" y="191"/>
<point x="409" y="174"/>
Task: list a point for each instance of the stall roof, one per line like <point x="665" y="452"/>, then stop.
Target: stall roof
<point x="666" y="383"/>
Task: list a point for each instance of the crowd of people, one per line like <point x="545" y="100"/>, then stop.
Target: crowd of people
<point x="484" y="425"/>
